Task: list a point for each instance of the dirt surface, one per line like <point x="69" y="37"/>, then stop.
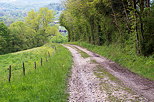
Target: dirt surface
<point x="96" y="79"/>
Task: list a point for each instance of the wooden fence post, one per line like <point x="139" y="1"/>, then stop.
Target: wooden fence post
<point x="48" y="53"/>
<point x="47" y="59"/>
<point x="9" y="78"/>
<point x="23" y="66"/>
<point x="41" y="61"/>
<point x="35" y="65"/>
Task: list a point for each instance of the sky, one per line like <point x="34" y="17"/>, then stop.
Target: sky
<point x="7" y="0"/>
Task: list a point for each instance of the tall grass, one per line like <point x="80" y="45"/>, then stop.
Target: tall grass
<point x="28" y="57"/>
<point x="141" y="65"/>
<point x="45" y="84"/>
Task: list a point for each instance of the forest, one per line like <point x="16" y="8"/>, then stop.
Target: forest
<point x="126" y="23"/>
<point x="35" y="31"/>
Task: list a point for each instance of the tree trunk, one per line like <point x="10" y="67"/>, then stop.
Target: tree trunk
<point x="115" y="21"/>
<point x="147" y="3"/>
<point x="127" y="18"/>
<point x="138" y="48"/>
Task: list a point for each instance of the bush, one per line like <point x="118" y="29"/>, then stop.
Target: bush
<point x="59" y="39"/>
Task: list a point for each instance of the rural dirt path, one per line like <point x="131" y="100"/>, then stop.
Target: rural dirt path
<point x="97" y="79"/>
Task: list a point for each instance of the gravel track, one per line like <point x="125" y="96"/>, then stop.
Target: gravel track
<point x="91" y="80"/>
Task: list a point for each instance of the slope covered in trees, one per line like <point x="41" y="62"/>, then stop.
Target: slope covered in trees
<point x="33" y="32"/>
<point x="128" y="23"/>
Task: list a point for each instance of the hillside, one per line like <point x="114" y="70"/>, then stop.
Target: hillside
<point x="10" y="12"/>
<point x="55" y="6"/>
<point x="27" y="2"/>
<point x="28" y="56"/>
<point x="45" y="83"/>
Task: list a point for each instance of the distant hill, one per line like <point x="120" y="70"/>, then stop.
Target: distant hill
<point x="30" y="2"/>
<point x="7" y="6"/>
<point x="55" y="6"/>
<point x="10" y="12"/>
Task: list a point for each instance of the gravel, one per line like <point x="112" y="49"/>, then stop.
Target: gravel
<point x="93" y="81"/>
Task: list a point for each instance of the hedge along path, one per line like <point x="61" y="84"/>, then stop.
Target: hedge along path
<point x="91" y="80"/>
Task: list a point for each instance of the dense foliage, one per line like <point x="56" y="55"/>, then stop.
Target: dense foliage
<point x="59" y="39"/>
<point x="33" y="32"/>
<point x="128" y="23"/>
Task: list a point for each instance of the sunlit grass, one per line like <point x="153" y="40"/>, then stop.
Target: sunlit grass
<point x="28" y="57"/>
<point x="45" y="84"/>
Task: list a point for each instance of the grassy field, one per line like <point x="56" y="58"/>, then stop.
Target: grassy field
<point x="28" y="57"/>
<point x="143" y="66"/>
<point x="48" y="83"/>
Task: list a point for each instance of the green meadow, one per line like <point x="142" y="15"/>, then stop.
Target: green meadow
<point x="47" y="83"/>
<point x="28" y="57"/>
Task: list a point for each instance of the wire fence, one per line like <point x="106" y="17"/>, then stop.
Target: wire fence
<point x="40" y="62"/>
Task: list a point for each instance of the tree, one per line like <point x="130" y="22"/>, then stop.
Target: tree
<point x="33" y="32"/>
<point x="52" y="31"/>
<point x="22" y="37"/>
<point x="4" y="38"/>
<point x="39" y="20"/>
<point x="32" y="20"/>
<point x="111" y="21"/>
